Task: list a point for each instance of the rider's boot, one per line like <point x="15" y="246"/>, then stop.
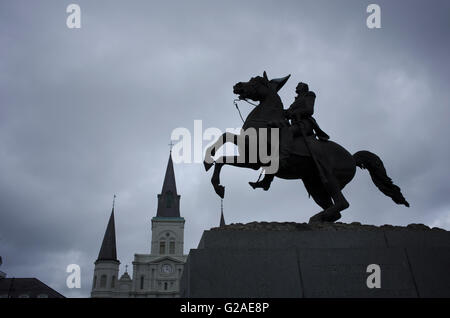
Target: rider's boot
<point x="264" y="183"/>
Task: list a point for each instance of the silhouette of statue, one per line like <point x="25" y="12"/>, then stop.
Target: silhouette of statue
<point x="303" y="124"/>
<point x="324" y="166"/>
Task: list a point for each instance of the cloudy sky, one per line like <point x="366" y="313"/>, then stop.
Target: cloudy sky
<point x="88" y="113"/>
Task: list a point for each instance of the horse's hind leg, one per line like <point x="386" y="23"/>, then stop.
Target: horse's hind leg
<point x="318" y="192"/>
<point x="332" y="213"/>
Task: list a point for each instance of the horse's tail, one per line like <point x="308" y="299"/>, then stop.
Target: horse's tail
<point x="371" y="162"/>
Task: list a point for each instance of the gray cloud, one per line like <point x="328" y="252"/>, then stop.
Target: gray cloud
<point x="88" y="113"/>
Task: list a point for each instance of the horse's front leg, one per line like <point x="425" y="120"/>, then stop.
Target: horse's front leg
<point x="211" y="150"/>
<point x="215" y="180"/>
<point x="236" y="161"/>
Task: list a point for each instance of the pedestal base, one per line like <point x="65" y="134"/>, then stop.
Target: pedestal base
<point x="325" y="260"/>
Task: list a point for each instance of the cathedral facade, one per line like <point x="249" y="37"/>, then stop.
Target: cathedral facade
<point x="156" y="274"/>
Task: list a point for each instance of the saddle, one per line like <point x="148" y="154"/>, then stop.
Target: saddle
<point x="293" y="141"/>
<point x="296" y="144"/>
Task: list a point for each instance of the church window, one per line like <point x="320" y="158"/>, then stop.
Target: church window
<point x="103" y="281"/>
<point x="162" y="247"/>
<point x="142" y="282"/>
<point x="172" y="247"/>
<point x="95" y="282"/>
<point x="169" y="199"/>
<point x="113" y="282"/>
<point x="152" y="281"/>
<point x="165" y="286"/>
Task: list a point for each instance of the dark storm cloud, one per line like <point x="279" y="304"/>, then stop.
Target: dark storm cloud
<point x="88" y="113"/>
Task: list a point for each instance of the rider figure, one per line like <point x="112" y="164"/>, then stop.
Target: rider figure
<point x="302" y="124"/>
<point x="301" y="111"/>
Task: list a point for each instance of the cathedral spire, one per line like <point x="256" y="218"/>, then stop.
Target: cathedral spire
<point x="108" y="250"/>
<point x="169" y="200"/>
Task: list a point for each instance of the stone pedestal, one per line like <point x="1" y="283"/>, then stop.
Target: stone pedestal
<point x="299" y="260"/>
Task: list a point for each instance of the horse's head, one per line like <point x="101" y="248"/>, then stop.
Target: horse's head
<point x="258" y="88"/>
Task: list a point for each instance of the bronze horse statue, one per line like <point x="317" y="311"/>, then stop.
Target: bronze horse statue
<point x="325" y="167"/>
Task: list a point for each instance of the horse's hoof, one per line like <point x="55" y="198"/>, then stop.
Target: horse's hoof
<point x="220" y="190"/>
<point x="207" y="165"/>
<point x="317" y="218"/>
<point x="331" y="217"/>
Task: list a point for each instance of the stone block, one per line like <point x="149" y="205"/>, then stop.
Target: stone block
<point x="293" y="260"/>
<point x="242" y="273"/>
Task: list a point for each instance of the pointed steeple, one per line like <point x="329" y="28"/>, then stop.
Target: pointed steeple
<point x="169" y="180"/>
<point x="222" y="219"/>
<point x="169" y="200"/>
<point x="108" y="250"/>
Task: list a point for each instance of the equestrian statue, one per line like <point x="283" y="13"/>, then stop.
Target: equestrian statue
<point x="305" y="151"/>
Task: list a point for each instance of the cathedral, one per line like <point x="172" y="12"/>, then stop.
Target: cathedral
<point x="156" y="274"/>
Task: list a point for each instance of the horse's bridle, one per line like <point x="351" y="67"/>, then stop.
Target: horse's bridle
<point x="237" y="107"/>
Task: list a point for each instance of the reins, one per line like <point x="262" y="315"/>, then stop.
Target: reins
<point x="237" y="107"/>
<point x="240" y="115"/>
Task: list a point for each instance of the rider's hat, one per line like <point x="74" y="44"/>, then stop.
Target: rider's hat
<point x="303" y="87"/>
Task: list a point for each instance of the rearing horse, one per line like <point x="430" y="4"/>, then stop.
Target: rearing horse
<point x="324" y="176"/>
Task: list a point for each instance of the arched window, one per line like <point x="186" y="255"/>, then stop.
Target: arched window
<point x="103" y="281"/>
<point x="94" y="284"/>
<point x="113" y="282"/>
<point x="165" y="286"/>
<point x="152" y="279"/>
<point x="172" y="247"/>
<point x="162" y="247"/>
<point x="142" y="282"/>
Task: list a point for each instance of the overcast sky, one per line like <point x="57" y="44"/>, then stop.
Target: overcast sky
<point x="88" y="113"/>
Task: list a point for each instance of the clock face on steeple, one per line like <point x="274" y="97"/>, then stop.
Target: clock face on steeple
<point x="166" y="269"/>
